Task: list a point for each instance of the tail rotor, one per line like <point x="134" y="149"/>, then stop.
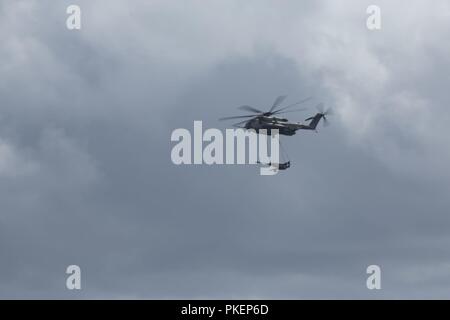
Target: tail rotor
<point x="324" y="113"/>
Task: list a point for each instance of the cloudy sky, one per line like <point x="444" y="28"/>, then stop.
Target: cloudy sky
<point x="86" y="176"/>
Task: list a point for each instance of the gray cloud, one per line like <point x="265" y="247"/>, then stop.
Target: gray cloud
<point x="86" y="176"/>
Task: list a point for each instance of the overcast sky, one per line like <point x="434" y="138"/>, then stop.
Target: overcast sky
<point x="86" y="176"/>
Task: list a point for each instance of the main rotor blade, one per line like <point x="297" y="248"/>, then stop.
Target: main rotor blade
<point x="251" y="109"/>
<point x="277" y="102"/>
<point x="239" y="123"/>
<point x="236" y="117"/>
<point x="294" y="110"/>
<point x="294" y="104"/>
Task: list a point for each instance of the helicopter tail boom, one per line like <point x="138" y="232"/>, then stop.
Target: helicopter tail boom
<point x="314" y="121"/>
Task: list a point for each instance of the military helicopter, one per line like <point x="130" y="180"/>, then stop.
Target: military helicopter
<point x="268" y="120"/>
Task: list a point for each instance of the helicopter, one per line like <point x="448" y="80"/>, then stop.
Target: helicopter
<point x="269" y="120"/>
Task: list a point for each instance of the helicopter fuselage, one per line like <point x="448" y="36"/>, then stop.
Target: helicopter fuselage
<point x="283" y="126"/>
